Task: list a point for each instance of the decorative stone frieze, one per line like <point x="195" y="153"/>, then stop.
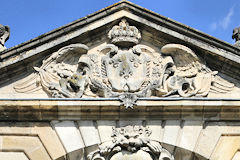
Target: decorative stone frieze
<point x="125" y="69"/>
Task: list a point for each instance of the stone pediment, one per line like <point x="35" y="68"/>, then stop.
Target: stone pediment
<point x="123" y="51"/>
<point x="64" y="95"/>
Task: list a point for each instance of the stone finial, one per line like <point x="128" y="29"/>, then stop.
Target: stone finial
<point x="124" y="34"/>
<point x="4" y="36"/>
<point x="236" y="36"/>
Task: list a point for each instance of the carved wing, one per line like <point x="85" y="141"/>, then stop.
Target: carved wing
<point x="186" y="61"/>
<point x="219" y="85"/>
<point x="60" y="64"/>
<point x="191" y="77"/>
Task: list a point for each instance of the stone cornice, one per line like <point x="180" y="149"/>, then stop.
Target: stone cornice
<point x="110" y="109"/>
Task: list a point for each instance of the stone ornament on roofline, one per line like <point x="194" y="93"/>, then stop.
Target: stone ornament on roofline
<point x="124" y="69"/>
<point x="4" y="36"/>
<point x="236" y="36"/>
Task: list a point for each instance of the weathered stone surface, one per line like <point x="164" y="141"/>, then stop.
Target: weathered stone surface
<point x="13" y="156"/>
<point x="236" y="156"/>
<point x="69" y="135"/>
<point x="50" y="140"/>
<point x="89" y="133"/>
<point x="140" y="155"/>
<point x="30" y="145"/>
<point x="123" y="123"/>
<point x="171" y="132"/>
<point x="124" y="69"/>
<point x="177" y="79"/>
<point x="105" y="129"/>
<point x="190" y="133"/>
<point x="76" y="155"/>
<point x="69" y="110"/>
<point x="210" y="136"/>
<point x="42" y="130"/>
<point x="183" y="154"/>
<point x="157" y="129"/>
<point x="130" y="142"/>
<point x="155" y="109"/>
<point x="226" y="148"/>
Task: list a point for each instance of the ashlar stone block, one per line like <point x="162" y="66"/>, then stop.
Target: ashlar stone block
<point x="69" y="135"/>
<point x="89" y="133"/>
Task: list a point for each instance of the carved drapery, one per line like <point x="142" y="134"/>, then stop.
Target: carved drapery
<point x="124" y="69"/>
<point x="131" y="142"/>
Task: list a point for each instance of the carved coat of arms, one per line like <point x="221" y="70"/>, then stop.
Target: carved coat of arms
<point x="125" y="69"/>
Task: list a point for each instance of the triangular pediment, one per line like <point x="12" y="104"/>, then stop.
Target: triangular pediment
<point x="121" y="83"/>
<point x="122" y="51"/>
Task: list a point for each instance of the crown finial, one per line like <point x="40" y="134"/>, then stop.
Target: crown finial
<point x="124" y="35"/>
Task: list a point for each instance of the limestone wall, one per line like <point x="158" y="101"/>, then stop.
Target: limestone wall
<point x="73" y="140"/>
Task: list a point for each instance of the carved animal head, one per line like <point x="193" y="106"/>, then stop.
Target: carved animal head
<point x="131" y="138"/>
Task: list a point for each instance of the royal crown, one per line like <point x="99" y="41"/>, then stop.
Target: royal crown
<point x="124" y="35"/>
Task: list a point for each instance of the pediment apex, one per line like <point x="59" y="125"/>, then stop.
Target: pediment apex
<point x="121" y="5"/>
<point x="138" y="14"/>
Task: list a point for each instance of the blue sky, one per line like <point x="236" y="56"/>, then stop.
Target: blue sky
<point x="31" y="18"/>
